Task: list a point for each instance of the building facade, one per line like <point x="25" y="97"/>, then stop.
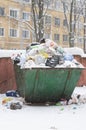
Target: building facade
<point x="16" y="30"/>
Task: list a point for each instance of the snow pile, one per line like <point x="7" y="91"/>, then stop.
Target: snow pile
<point x="47" y="54"/>
<point x="9" y="53"/>
<point x="74" y="51"/>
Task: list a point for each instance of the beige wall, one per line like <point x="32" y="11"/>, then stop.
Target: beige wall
<point x="19" y="43"/>
<point x="5" y="22"/>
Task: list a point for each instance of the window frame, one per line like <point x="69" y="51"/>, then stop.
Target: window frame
<point x="11" y="29"/>
<point x="15" y="15"/>
<point x="2" y="32"/>
<point x="57" y="21"/>
<point x="27" y="37"/>
<point x="56" y="37"/>
<point x="65" y="37"/>
<point x="2" y="10"/>
<point x="26" y="19"/>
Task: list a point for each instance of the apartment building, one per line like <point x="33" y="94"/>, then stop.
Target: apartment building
<point x="16" y="29"/>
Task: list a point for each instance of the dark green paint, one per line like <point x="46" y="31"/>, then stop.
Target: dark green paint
<point x="39" y="85"/>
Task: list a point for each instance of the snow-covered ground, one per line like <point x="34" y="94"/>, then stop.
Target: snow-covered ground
<point x="46" y="117"/>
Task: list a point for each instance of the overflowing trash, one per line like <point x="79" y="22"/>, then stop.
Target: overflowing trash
<point x="47" y="54"/>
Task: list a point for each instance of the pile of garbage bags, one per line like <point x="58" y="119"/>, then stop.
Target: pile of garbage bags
<point x="45" y="54"/>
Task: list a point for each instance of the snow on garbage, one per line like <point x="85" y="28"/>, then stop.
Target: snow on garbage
<point x="47" y="54"/>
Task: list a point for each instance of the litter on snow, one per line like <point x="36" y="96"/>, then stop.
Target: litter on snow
<point x="14" y="103"/>
<point x="11" y="100"/>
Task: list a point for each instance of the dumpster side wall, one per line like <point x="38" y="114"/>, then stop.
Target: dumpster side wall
<point x="82" y="80"/>
<point x="39" y="85"/>
<point x="7" y="75"/>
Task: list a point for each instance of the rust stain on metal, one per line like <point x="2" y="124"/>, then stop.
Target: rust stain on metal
<point x="7" y="75"/>
<point x="82" y="80"/>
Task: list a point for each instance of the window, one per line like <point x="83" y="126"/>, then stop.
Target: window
<point x="1" y="31"/>
<point x="57" y="21"/>
<point x="2" y="11"/>
<point x="56" y="37"/>
<point x="65" y="38"/>
<point x="26" y="16"/>
<point x="26" y="34"/>
<point x="13" y="33"/>
<point x="13" y="13"/>
<point x="47" y="19"/>
<point x="64" y="22"/>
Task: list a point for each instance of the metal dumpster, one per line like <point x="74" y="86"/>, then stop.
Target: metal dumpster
<point x="40" y="85"/>
<point x="7" y="76"/>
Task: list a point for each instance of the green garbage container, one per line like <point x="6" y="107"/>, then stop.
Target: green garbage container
<point x="40" y="85"/>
